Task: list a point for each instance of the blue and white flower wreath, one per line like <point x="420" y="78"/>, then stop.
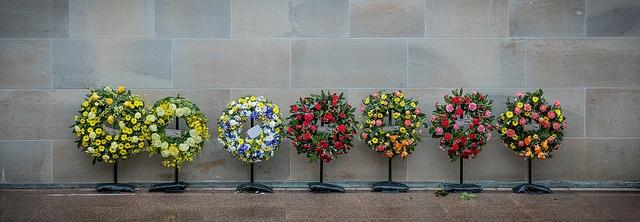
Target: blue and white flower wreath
<point x="263" y="140"/>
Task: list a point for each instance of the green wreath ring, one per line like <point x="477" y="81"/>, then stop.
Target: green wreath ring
<point x="406" y="118"/>
<point x="267" y="131"/>
<point x="184" y="146"/>
<point x="110" y="125"/>
<point x="530" y="127"/>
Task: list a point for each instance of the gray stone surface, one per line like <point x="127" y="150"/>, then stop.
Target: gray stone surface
<point x="111" y="18"/>
<point x="468" y="63"/>
<point x="348" y="63"/>
<point x="92" y="63"/>
<point x="573" y="108"/>
<point x="546" y="18"/>
<point x="38" y="114"/>
<point x="25" y="161"/>
<point x="290" y="18"/>
<point x="613" y="113"/>
<point x="591" y="159"/>
<point x="34" y="19"/>
<point x="193" y="18"/>
<point x="380" y="18"/>
<point x="467" y="18"/>
<point x="25" y="64"/>
<point x="231" y="63"/>
<point x="70" y="164"/>
<point x="583" y="62"/>
<point x="613" y="18"/>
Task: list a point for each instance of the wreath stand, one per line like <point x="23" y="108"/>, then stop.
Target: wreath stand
<point x="176" y="186"/>
<point x="390" y="186"/>
<point x="530" y="188"/>
<point x="321" y="187"/>
<point x="253" y="187"/>
<point x="462" y="187"/>
<point x="115" y="186"/>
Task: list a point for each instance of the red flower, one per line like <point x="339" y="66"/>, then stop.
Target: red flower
<point x="445" y="122"/>
<point x="472" y="136"/>
<point x="298" y="117"/>
<point x="459" y="111"/>
<point x="295" y="108"/>
<point x="307" y="136"/>
<point x="339" y="145"/>
<point x="290" y="130"/>
<point x="456" y="100"/>
<point x="455" y="147"/>
<point x="308" y="117"/>
<point x="323" y="144"/>
<point x="407" y="123"/>
<point x="318" y="106"/>
<point x="314" y="128"/>
<point x="328" y="117"/>
<point x="466" y="154"/>
<point x="342" y="116"/>
<point x="342" y="128"/>
<point x="476" y="122"/>
<point x="447" y="136"/>
<point x="334" y="100"/>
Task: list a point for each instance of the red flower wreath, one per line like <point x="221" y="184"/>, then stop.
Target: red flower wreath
<point x="322" y="126"/>
<point x="462" y="124"/>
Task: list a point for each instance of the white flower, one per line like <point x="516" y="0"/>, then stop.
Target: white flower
<point x="138" y="115"/>
<point x="198" y="139"/>
<point x="91" y="115"/>
<point x="179" y="112"/>
<point x="183" y="147"/>
<point x="114" y="145"/>
<point x="76" y="128"/>
<point x="191" y="141"/>
<point x="155" y="136"/>
<point x="156" y="143"/>
<point x="193" y="133"/>
<point x="186" y="111"/>
<point x="164" y="153"/>
<point x="160" y="111"/>
<point x="172" y="107"/>
<point x="121" y="124"/>
<point x="153" y="127"/>
<point x="90" y="150"/>
<point x="151" y="118"/>
<point x="92" y="135"/>
<point x="164" y="145"/>
<point x="105" y="157"/>
<point x="135" y="139"/>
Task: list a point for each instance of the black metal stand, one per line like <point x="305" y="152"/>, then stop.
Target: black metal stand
<point x="462" y="187"/>
<point x="176" y="186"/>
<point x="530" y="188"/>
<point x="321" y="187"/>
<point x="253" y="187"/>
<point x="390" y="186"/>
<point x="115" y="186"/>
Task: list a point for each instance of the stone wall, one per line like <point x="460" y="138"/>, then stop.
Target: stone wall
<point x="586" y="53"/>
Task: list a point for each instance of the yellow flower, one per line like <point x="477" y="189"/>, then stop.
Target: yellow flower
<point x="509" y="114"/>
<point x="374" y="140"/>
<point x="412" y="104"/>
<point x="85" y="104"/>
<point x="240" y="141"/>
<point x="120" y="89"/>
<point x="384" y="96"/>
<point x="276" y="109"/>
<point x="535" y="99"/>
<point x="514" y="122"/>
<point x="402" y="103"/>
<point x="397" y="100"/>
<point x="396" y="115"/>
<point x="94" y="96"/>
<point x="109" y="101"/>
<point x="366" y="101"/>
<point x="520" y="105"/>
<point x="503" y="130"/>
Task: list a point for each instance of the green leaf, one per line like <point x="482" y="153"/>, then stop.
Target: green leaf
<point x="467" y="196"/>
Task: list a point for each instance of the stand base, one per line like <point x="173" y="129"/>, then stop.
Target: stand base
<point x="115" y="187"/>
<point x="317" y="187"/>
<point x="254" y="188"/>
<point x="465" y="187"/>
<point x="528" y="188"/>
<point x="390" y="187"/>
<point x="178" y="187"/>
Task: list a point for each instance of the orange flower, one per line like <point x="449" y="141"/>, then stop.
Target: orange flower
<point x="388" y="154"/>
<point x="393" y="138"/>
<point x="406" y="142"/>
<point x="528" y="153"/>
<point x="545" y="145"/>
<point x="404" y="154"/>
<point x="538" y="150"/>
<point x="398" y="146"/>
<point x="527" y="140"/>
<point x="541" y="155"/>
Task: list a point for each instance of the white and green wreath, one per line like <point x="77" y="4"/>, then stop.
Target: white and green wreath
<point x="262" y="140"/>
<point x="175" y="146"/>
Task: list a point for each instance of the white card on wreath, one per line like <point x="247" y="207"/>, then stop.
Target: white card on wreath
<point x="390" y="128"/>
<point x="325" y="129"/>
<point x="254" y="132"/>
<point x="172" y="132"/>
<point x="532" y="127"/>
<point x="463" y="122"/>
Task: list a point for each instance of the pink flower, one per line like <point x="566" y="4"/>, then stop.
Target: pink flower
<point x="481" y="128"/>
<point x="487" y="114"/>
<point x="543" y="107"/>
<point x="564" y="125"/>
<point x="551" y="115"/>
<point x="378" y="122"/>
<point x="472" y="106"/>
<point x="407" y="123"/>
<point x="456" y="126"/>
<point x="417" y="111"/>
<point x="432" y="117"/>
<point x="534" y="115"/>
<point x="517" y="111"/>
<point x="527" y="107"/>
<point x="522" y="121"/>
<point x="511" y="133"/>
<point x="521" y="143"/>
<point x="439" y="131"/>
<point x="519" y="94"/>
<point x="449" y="108"/>
<point x="556" y="126"/>
<point x="556" y="103"/>
<point x="489" y="136"/>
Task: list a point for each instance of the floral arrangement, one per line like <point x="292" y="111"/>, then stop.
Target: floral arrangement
<point x="268" y="131"/>
<point x="530" y="127"/>
<point x="183" y="147"/>
<point x="462" y="124"/>
<point x="110" y="124"/>
<point x="322" y="126"/>
<point x="404" y="119"/>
